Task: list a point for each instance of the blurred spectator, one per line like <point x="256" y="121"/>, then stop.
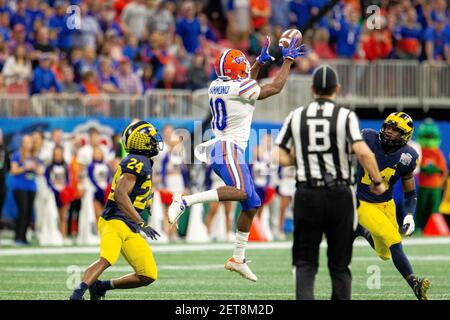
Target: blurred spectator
<point x="108" y="82"/>
<point x="17" y="71"/>
<point x="5" y="30"/>
<point x="44" y="80"/>
<point x="19" y="16"/>
<point x="321" y="46"/>
<point x="98" y="172"/>
<point x="148" y="81"/>
<point x="205" y="29"/>
<point x="107" y="19"/>
<point x="435" y="41"/>
<point x="90" y="84"/>
<point x="408" y="36"/>
<point x="41" y="45"/>
<point x="347" y="33"/>
<point x="314" y="8"/>
<point x="3" y="168"/>
<point x="168" y="77"/>
<point x="59" y="24"/>
<point x="24" y="167"/>
<point x="300" y="13"/>
<point x="67" y="83"/>
<point x="82" y="62"/>
<point x="19" y="38"/>
<point x="238" y="18"/>
<point x="260" y="12"/>
<point x="280" y="13"/>
<point x="34" y="12"/>
<point x="161" y="19"/>
<point x="85" y="154"/>
<point x="4" y="52"/>
<point x="198" y="78"/>
<point x="129" y="83"/>
<point x="134" y="18"/>
<point x="188" y="27"/>
<point x="39" y="145"/>
<point x="3" y="89"/>
<point x="377" y="44"/>
<point x="112" y="46"/>
<point x="90" y="33"/>
<point x="57" y="176"/>
<point x="131" y="48"/>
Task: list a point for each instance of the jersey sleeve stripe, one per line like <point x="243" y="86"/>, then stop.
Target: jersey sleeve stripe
<point x="247" y="89"/>
<point x="245" y="83"/>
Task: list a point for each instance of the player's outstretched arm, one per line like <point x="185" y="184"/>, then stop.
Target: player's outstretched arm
<point x="289" y="54"/>
<point x="263" y="58"/>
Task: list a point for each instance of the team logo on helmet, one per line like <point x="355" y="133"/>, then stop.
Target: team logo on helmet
<point x="142" y="138"/>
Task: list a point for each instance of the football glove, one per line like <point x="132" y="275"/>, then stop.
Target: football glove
<point x="148" y="231"/>
<point x="408" y="224"/>
<point x="265" y="56"/>
<point x="292" y="52"/>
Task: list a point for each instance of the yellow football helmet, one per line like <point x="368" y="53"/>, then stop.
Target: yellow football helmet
<point x="401" y="122"/>
<point x="142" y="138"/>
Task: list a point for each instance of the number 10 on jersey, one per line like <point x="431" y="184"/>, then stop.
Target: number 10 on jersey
<point x="219" y="113"/>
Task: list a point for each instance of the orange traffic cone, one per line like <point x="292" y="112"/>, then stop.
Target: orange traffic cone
<point x="436" y="226"/>
<point x="256" y="231"/>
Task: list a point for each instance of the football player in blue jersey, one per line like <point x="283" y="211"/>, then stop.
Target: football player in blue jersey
<point x="121" y="227"/>
<point x="376" y="213"/>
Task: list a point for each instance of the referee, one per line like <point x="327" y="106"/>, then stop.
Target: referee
<point x="319" y="140"/>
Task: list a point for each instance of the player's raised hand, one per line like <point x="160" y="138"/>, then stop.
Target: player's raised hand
<point x="265" y="56"/>
<point x="293" y="51"/>
<point x="408" y="224"/>
<point x="149" y="231"/>
<point x="378" y="188"/>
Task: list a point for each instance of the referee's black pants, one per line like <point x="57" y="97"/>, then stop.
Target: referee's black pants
<point x="319" y="211"/>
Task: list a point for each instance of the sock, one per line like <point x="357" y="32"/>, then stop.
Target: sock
<point x="411" y="280"/>
<point x="401" y="262"/>
<point x="201" y="197"/>
<point x="78" y="293"/>
<point x="105" y="285"/>
<point x="360" y="231"/>
<point x="239" y="245"/>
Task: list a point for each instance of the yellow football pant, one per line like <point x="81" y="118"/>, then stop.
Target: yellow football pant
<point x="116" y="238"/>
<point x="380" y="220"/>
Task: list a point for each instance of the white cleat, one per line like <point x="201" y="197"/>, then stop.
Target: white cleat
<point x="176" y="208"/>
<point x="241" y="268"/>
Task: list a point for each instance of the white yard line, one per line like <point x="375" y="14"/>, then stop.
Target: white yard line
<point x="115" y="268"/>
<point x="201" y="247"/>
<point x="197" y="267"/>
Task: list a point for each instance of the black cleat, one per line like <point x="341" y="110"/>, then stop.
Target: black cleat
<point x="421" y="287"/>
<point x="97" y="293"/>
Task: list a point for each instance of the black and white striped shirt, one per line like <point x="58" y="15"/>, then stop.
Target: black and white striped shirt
<point x="321" y="135"/>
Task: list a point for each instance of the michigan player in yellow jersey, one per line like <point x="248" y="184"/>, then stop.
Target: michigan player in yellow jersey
<point x="376" y="213"/>
<point x="121" y="228"/>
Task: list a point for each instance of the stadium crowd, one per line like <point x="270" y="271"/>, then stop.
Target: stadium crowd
<point x="130" y="47"/>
